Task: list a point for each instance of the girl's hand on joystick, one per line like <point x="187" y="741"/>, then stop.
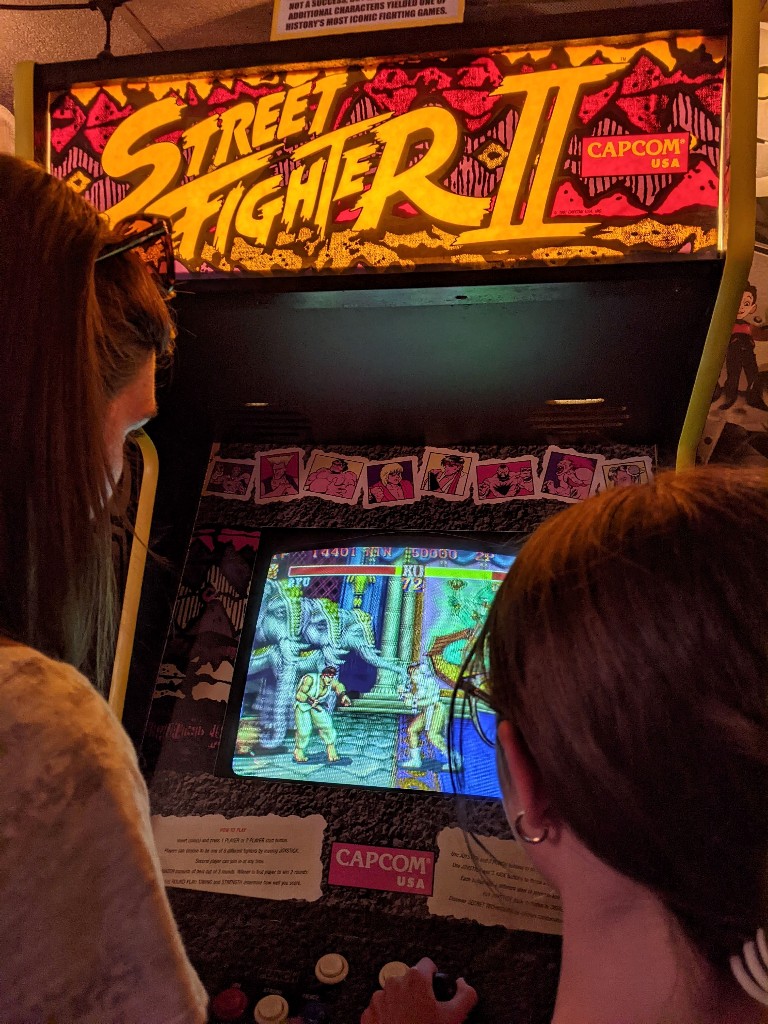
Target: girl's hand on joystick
<point x="410" y="999"/>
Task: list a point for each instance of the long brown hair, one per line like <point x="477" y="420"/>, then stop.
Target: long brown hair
<point x="71" y="337"/>
<point x="628" y="646"/>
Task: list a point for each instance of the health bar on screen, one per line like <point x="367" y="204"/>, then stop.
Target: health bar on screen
<point x="436" y="572"/>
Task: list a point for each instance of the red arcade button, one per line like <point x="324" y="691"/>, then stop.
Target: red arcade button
<point x="230" y="1004"/>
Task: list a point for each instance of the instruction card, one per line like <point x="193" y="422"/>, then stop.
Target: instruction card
<point x="269" y="857"/>
<point x="499" y="886"/>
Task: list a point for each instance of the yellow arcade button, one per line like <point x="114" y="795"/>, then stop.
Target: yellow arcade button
<point x="270" y="1010"/>
<point x="394" y="969"/>
<point x="331" y="969"/>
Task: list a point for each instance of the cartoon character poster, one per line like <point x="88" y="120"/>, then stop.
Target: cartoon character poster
<point x="230" y="478"/>
<point x="391" y="483"/>
<point x="568" y="475"/>
<point x="333" y="477"/>
<point x="736" y="430"/>
<point x="505" y="480"/>
<point x="279" y="475"/>
<point x="446" y="473"/>
<point x="625" y="472"/>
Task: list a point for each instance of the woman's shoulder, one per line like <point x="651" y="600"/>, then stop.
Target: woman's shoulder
<point x="48" y="702"/>
<point x="26" y="674"/>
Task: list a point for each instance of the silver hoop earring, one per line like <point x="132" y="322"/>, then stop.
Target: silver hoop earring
<point x="517" y="828"/>
<point x="749" y="968"/>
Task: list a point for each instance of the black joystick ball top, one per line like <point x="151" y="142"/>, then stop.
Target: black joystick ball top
<point x="444" y="987"/>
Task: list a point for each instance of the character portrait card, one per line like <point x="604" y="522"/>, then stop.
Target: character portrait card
<point x="508" y="480"/>
<point x="279" y="475"/>
<point x="568" y="475"/>
<point x="625" y="472"/>
<point x="333" y="477"/>
<point x="391" y="483"/>
<point x="446" y="473"/>
<point x="230" y="478"/>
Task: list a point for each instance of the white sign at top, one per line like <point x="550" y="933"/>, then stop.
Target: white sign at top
<point x="292" y="19"/>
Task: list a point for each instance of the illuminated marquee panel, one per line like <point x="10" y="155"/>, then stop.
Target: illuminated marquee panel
<point x="587" y="152"/>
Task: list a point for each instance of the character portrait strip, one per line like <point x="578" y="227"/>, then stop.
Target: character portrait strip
<point x="446" y="473"/>
<point x="391" y="483"/>
<point x="333" y="477"/>
<point x="568" y="475"/>
<point x="498" y="480"/>
<point x="230" y="478"/>
<point x="279" y="475"/>
<point x="625" y="472"/>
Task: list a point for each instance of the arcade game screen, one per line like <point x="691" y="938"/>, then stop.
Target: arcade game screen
<point x="353" y="654"/>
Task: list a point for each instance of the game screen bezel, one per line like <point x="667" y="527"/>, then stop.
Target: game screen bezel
<point x="431" y="776"/>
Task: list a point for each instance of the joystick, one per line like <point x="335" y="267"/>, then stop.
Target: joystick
<point x="314" y="1013"/>
<point x="444" y="987"/>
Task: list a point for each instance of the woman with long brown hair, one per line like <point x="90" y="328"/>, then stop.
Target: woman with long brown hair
<point x="88" y="935"/>
<point x="626" y="658"/>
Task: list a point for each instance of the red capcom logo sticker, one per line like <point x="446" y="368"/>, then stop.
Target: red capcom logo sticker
<point x="625" y="155"/>
<point x="379" y="867"/>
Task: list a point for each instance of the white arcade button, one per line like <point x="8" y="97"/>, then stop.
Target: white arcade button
<point x="270" y="1010"/>
<point x="331" y="969"/>
<point x="394" y="969"/>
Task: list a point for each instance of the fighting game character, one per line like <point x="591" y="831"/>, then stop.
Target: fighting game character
<point x="391" y="487"/>
<point x="505" y="484"/>
<point x="421" y="696"/>
<point x="624" y="476"/>
<point x="315" y="701"/>
<point x="230" y="478"/>
<point x="296" y="635"/>
<point x="446" y="480"/>
<point x="279" y="484"/>
<point x="336" y="480"/>
<point x="572" y="482"/>
<point x="741" y="354"/>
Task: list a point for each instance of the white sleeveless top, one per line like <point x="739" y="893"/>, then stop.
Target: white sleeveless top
<point x="86" y="932"/>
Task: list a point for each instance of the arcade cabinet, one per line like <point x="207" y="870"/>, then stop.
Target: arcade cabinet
<point x="435" y="284"/>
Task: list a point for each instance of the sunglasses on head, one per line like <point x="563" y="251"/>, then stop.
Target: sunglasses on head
<point x="152" y="239"/>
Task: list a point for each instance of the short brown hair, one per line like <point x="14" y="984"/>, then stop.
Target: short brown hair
<point x="71" y="337"/>
<point x="628" y="646"/>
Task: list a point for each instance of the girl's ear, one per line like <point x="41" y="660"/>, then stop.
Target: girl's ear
<point x="519" y="778"/>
